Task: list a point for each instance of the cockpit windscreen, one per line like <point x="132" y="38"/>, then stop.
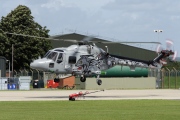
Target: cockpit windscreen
<point x="52" y="55"/>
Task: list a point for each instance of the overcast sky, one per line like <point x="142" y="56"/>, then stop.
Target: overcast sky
<point x="123" y="20"/>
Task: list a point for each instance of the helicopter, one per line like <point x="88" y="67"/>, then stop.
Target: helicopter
<point x="86" y="59"/>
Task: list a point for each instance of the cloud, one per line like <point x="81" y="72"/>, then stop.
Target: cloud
<point x="55" y="4"/>
<point x="120" y="19"/>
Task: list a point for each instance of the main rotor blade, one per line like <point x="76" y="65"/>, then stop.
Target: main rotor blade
<point x="131" y="42"/>
<point x="29" y="36"/>
<point x="40" y="37"/>
<point x="87" y="39"/>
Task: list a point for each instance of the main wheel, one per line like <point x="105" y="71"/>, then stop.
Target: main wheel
<point x="82" y="79"/>
<point x="99" y="81"/>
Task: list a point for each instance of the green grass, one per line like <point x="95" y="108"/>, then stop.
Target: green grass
<point x="91" y="110"/>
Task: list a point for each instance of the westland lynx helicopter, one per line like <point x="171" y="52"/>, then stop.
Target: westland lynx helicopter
<point x="86" y="59"/>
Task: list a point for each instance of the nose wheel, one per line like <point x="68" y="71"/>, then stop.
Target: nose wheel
<point x="99" y="81"/>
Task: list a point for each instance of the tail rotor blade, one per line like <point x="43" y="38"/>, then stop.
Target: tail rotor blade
<point x="174" y="56"/>
<point x="169" y="44"/>
<point x="159" y="48"/>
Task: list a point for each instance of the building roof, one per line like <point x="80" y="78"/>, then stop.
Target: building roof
<point x="76" y="36"/>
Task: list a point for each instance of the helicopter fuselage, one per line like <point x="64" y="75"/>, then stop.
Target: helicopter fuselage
<point x="73" y="59"/>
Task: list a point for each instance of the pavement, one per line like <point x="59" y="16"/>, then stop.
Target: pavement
<point x="49" y="95"/>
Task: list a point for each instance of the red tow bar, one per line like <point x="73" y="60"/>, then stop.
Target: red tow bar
<point x="73" y="96"/>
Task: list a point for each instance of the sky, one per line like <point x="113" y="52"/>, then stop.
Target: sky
<point x="115" y="20"/>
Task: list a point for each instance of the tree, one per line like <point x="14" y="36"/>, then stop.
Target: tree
<point x="26" y="49"/>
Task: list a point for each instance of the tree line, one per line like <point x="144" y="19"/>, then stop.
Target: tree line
<point x="25" y="49"/>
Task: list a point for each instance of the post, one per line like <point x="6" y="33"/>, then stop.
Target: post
<point x="9" y="67"/>
<point x="21" y="72"/>
<point x="162" y="78"/>
<point x="168" y="77"/>
<point x="38" y="73"/>
<point x="15" y="72"/>
<point x="107" y="48"/>
<point x="176" y="78"/>
<point x="31" y="73"/>
<point x="12" y="59"/>
<point x="9" y="70"/>
<point x="158" y="31"/>
<point x="26" y="71"/>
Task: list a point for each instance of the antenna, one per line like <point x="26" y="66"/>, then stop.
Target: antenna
<point x="107" y="48"/>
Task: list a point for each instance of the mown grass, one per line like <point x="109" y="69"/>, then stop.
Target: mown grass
<point x="91" y="110"/>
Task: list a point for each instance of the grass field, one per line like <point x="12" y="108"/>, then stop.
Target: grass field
<point x="91" y="110"/>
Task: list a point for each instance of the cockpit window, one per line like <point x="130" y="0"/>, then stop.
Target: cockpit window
<point x="46" y="54"/>
<point x="52" y="55"/>
<point x="60" y="58"/>
<point x="58" y="50"/>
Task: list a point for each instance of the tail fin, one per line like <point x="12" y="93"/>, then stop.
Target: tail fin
<point x="159" y="59"/>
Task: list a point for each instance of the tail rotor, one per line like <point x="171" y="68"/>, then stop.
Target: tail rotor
<point x="168" y="52"/>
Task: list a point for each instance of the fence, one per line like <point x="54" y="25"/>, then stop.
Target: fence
<point x="166" y="78"/>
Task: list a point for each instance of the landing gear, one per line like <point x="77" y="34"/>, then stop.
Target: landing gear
<point x="99" y="81"/>
<point x="82" y="78"/>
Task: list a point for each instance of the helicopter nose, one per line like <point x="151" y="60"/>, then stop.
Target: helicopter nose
<point x="33" y="65"/>
<point x="40" y="64"/>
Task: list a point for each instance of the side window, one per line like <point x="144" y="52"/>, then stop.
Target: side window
<point x="60" y="58"/>
<point x="72" y="59"/>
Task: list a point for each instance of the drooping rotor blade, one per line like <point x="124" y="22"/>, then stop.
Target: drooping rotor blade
<point x="87" y="39"/>
<point x="69" y="40"/>
<point x="29" y="36"/>
<point x="131" y="42"/>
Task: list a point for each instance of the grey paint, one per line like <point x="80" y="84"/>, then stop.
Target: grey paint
<point x="3" y="66"/>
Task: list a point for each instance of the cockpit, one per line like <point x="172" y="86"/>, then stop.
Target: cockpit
<point x="54" y="55"/>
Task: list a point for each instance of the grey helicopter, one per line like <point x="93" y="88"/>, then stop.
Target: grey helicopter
<point x="86" y="59"/>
